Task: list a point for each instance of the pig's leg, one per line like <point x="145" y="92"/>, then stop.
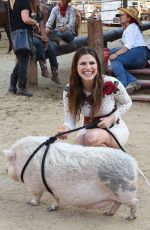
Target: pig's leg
<point x="116" y="205"/>
<point x="55" y="204"/>
<point x="133" y="204"/>
<point x="36" y="199"/>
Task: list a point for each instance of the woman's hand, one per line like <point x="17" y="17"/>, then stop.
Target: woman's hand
<point x="62" y="29"/>
<point x="106" y="122"/>
<point x="48" y="30"/>
<point x="113" y="56"/>
<point x="61" y="129"/>
<point x="44" y="38"/>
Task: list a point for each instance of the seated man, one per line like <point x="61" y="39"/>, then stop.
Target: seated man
<point x="64" y="16"/>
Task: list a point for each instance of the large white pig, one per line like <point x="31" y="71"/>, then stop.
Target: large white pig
<point x="88" y="177"/>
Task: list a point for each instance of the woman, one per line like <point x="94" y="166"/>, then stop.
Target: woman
<point x="40" y="39"/>
<point x="96" y="97"/>
<point x="20" y="18"/>
<point x="129" y="56"/>
<point x="64" y="16"/>
<point x="42" y="43"/>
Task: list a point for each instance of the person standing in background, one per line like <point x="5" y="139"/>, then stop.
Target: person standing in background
<point x="20" y="18"/>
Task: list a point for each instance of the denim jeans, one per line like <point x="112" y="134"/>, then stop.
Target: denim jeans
<point x="19" y="74"/>
<point x="133" y="58"/>
<point x="40" y="50"/>
<point x="50" y="52"/>
<point x="67" y="35"/>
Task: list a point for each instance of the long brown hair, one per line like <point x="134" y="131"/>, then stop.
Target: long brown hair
<point x="76" y="96"/>
<point x="12" y="2"/>
<point x="34" y="8"/>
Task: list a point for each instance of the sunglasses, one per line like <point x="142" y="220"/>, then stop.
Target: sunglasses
<point x="119" y="15"/>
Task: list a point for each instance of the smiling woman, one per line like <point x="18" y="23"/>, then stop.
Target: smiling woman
<point x="87" y="69"/>
<point x="96" y="97"/>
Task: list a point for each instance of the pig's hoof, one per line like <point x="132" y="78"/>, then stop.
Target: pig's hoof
<point x="108" y="214"/>
<point x="130" y="218"/>
<point x="52" y="208"/>
<point x="33" y="203"/>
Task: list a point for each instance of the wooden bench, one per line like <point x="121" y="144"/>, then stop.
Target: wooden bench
<point x="140" y="97"/>
<point x="143" y="75"/>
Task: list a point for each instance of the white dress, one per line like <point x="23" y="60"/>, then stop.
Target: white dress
<point x="119" y="97"/>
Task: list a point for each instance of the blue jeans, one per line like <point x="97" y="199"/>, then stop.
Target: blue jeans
<point x="67" y="35"/>
<point x="51" y="53"/>
<point x="133" y="58"/>
<point x="40" y="51"/>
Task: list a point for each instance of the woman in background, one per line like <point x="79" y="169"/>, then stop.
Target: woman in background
<point x="20" y="18"/>
<point x="133" y="53"/>
<point x="44" y="46"/>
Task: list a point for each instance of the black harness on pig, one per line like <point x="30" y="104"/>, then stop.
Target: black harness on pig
<point x="52" y="140"/>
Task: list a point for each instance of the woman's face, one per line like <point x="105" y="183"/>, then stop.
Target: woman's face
<point x="124" y="19"/>
<point x="37" y="2"/>
<point x="87" y="67"/>
<point x="63" y="2"/>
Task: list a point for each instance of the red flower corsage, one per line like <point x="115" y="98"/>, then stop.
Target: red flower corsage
<point x="110" y="87"/>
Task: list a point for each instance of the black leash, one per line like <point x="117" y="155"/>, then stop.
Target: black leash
<point x="52" y="140"/>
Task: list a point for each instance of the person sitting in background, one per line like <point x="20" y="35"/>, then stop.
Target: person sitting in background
<point x="64" y="16"/>
<point x="40" y="39"/>
<point x="133" y="53"/>
<point x="96" y="97"/>
<point x="44" y="46"/>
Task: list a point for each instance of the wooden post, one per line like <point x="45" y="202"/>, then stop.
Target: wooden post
<point x="95" y="38"/>
<point x="125" y="3"/>
<point x="32" y="73"/>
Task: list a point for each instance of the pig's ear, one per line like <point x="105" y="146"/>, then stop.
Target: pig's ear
<point x="10" y="154"/>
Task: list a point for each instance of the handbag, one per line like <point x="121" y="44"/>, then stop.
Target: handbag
<point x="21" y="40"/>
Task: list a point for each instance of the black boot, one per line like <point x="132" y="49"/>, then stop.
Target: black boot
<point x="12" y="87"/>
<point x="22" y="90"/>
<point x="55" y="77"/>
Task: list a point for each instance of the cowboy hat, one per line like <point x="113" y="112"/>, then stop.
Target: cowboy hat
<point x="131" y="11"/>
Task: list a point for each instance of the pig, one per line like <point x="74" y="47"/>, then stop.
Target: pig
<point x="87" y="177"/>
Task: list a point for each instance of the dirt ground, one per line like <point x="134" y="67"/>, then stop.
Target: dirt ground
<point x="40" y="115"/>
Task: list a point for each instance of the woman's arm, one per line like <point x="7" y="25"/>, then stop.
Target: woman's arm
<point x="123" y="100"/>
<point x="27" y="19"/>
<point x="128" y="39"/>
<point x="72" y="19"/>
<point x="69" y="120"/>
<point x="51" y="20"/>
<point x="43" y="34"/>
<point x="123" y="50"/>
